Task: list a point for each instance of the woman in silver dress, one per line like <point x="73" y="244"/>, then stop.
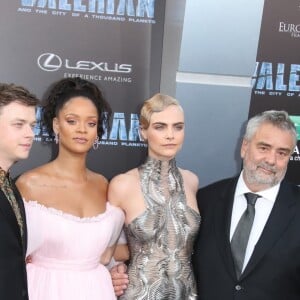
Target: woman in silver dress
<point x="161" y="214"/>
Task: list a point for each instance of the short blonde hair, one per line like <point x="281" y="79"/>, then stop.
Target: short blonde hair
<point x="156" y="103"/>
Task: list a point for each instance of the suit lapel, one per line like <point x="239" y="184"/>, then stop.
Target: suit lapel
<point x="8" y="213"/>
<point x="222" y="225"/>
<point x="279" y="219"/>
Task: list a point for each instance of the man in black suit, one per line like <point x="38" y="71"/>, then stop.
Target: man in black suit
<point x="17" y="119"/>
<point x="269" y="268"/>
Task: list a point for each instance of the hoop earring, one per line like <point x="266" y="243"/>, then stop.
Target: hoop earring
<point x="56" y="138"/>
<point x="96" y="143"/>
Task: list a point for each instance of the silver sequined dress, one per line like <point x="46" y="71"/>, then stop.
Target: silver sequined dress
<point x="161" y="239"/>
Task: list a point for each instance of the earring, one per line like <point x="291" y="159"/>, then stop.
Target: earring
<point x="96" y="143"/>
<point x="56" y="138"/>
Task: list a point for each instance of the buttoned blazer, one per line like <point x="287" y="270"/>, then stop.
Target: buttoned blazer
<point x="273" y="271"/>
<point x="13" y="280"/>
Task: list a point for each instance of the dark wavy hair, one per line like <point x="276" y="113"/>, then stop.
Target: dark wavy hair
<point x="67" y="88"/>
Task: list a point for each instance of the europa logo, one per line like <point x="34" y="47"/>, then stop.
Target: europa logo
<point x="131" y="8"/>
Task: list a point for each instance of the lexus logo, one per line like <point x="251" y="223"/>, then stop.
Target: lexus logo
<point x="49" y="62"/>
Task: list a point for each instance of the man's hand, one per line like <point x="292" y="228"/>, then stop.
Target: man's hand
<point x="119" y="278"/>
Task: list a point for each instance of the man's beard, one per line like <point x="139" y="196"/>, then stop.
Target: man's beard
<point x="256" y="176"/>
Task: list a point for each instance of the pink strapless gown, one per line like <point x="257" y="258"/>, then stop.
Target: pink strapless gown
<point x="65" y="252"/>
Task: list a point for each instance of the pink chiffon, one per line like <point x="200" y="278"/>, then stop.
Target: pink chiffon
<point x="65" y="253"/>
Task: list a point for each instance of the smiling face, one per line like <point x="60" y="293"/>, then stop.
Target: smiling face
<point x="165" y="133"/>
<point x="76" y="124"/>
<point x="266" y="156"/>
<point x="16" y="132"/>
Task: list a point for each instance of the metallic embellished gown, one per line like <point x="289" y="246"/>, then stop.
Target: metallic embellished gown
<point x="161" y="239"/>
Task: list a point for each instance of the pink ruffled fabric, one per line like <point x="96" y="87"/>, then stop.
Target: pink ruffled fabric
<point x="65" y="253"/>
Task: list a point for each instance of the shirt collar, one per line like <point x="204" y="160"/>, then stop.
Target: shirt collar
<point x="269" y="194"/>
<point x="3" y="177"/>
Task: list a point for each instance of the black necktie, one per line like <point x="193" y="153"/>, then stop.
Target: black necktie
<point x="241" y="234"/>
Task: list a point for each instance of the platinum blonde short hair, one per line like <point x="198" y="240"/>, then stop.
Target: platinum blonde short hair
<point x="156" y="103"/>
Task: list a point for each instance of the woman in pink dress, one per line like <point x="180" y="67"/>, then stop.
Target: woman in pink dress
<point x="72" y="229"/>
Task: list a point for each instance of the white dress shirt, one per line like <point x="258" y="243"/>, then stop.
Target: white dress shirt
<point x="263" y="208"/>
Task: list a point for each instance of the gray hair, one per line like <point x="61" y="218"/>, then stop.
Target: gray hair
<point x="278" y="118"/>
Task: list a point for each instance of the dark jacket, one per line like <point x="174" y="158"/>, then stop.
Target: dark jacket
<point x="13" y="280"/>
<point x="273" y="271"/>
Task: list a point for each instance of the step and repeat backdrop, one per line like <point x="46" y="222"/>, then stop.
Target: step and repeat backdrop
<point x="276" y="82"/>
<point x="116" y="44"/>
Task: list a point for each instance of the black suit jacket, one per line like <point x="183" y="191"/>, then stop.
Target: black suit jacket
<point x="273" y="271"/>
<point x="13" y="280"/>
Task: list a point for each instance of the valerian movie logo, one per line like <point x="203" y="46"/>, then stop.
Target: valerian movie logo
<point x="139" y="11"/>
<point x="276" y="79"/>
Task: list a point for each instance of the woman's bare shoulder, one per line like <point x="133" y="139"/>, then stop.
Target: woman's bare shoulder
<point x="123" y="179"/>
<point x="29" y="181"/>
<point x="32" y="176"/>
<point x="98" y="178"/>
<point x="190" y="179"/>
<point x="122" y="186"/>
